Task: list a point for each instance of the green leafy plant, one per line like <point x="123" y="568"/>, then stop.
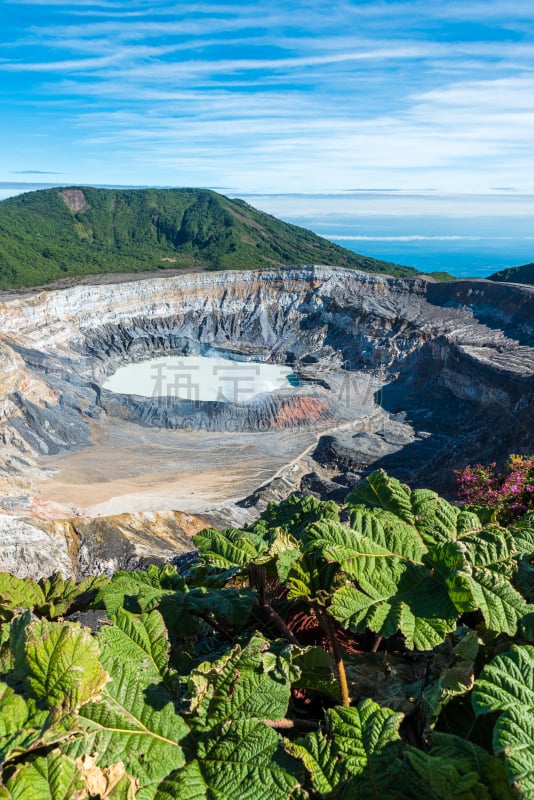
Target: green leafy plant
<point x="379" y="649"/>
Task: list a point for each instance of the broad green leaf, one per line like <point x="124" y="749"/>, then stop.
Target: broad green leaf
<point x="247" y="682"/>
<point x="468" y="522"/>
<point x="152" y="584"/>
<point x="133" y="723"/>
<point x="450" y="566"/>
<point x="23" y="725"/>
<point x="376" y="538"/>
<point x="378" y="490"/>
<point x="435" y="518"/>
<point x="230" y="604"/>
<point x="284" y="550"/>
<point x="62" y="662"/>
<point x="229" y="548"/>
<point x="244" y="761"/>
<point x="187" y="783"/>
<point x="476" y="570"/>
<point x="294" y="515"/>
<point x="310" y="578"/>
<point x="469" y="757"/>
<point x="54" y="777"/>
<point x="139" y="640"/>
<point x="352" y="738"/>
<point x="18" y="593"/>
<point x="456" y="677"/>
<point x="501" y="605"/>
<point x="507" y="684"/>
<point x="523" y="533"/>
<point x="526" y="626"/>
<point x="491" y="548"/>
<point x="414" y="603"/>
<point x="13" y="712"/>
<point x="316" y="668"/>
<point x="61" y="595"/>
<point x="513" y="737"/>
<point x="443" y="780"/>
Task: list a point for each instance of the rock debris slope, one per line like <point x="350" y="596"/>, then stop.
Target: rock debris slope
<point x="411" y="375"/>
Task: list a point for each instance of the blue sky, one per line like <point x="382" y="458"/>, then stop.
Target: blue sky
<point x="279" y="97"/>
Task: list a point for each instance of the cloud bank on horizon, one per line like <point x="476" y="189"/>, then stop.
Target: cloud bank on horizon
<point x="298" y="96"/>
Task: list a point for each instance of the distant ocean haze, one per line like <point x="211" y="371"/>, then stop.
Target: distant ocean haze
<point x="470" y="236"/>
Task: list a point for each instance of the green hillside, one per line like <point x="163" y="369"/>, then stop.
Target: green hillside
<point x="54" y="234"/>
<point x="523" y="274"/>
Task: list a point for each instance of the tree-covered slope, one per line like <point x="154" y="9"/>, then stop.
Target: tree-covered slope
<point x="522" y="274"/>
<point x="58" y="233"/>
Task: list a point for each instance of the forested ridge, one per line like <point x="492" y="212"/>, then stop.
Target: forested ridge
<point x="54" y="234"/>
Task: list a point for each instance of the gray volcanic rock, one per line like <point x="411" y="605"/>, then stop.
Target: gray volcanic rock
<point x="418" y="377"/>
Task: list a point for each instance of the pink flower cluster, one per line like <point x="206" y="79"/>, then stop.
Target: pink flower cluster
<point x="510" y="493"/>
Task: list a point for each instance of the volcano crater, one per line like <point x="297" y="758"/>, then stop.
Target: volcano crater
<point x="418" y="377"/>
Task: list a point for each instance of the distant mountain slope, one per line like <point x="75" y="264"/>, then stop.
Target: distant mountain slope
<point x="523" y="274"/>
<point x="52" y="234"/>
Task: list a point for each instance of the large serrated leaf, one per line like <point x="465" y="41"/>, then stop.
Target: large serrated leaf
<point x="469" y="757"/>
<point x="476" y="570"/>
<point x="133" y="723"/>
<point x="311" y="579"/>
<point x="54" y="777"/>
<point x="513" y="737"/>
<point x="246" y="682"/>
<point x="378" y="490"/>
<point x="381" y="537"/>
<point x="18" y="593"/>
<point x="230" y="604"/>
<point x="295" y="514"/>
<point x="501" y="605"/>
<point x="414" y="603"/>
<point x="442" y="779"/>
<point x="23" y="726"/>
<point x="435" y="518"/>
<point x="229" y="548"/>
<point x="187" y="783"/>
<point x="139" y="640"/>
<point x="507" y="684"/>
<point x="60" y="595"/>
<point x="353" y="736"/>
<point x="244" y="761"/>
<point x="152" y="584"/>
<point x="62" y="663"/>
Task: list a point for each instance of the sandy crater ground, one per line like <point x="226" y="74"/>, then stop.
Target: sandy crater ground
<point x="130" y="468"/>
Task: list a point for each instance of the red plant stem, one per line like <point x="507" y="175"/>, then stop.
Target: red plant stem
<point x="215" y="625"/>
<point x="376" y="645"/>
<point x="276" y="618"/>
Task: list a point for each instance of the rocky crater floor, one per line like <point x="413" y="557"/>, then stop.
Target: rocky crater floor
<point x="418" y="377"/>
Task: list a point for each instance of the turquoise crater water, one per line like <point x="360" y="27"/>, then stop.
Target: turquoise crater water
<point x="200" y="378"/>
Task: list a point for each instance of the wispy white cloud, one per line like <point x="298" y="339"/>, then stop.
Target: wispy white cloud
<point x="314" y="95"/>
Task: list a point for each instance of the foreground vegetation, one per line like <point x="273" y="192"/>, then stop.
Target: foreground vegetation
<point x="55" y="234"/>
<point x="380" y="649"/>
